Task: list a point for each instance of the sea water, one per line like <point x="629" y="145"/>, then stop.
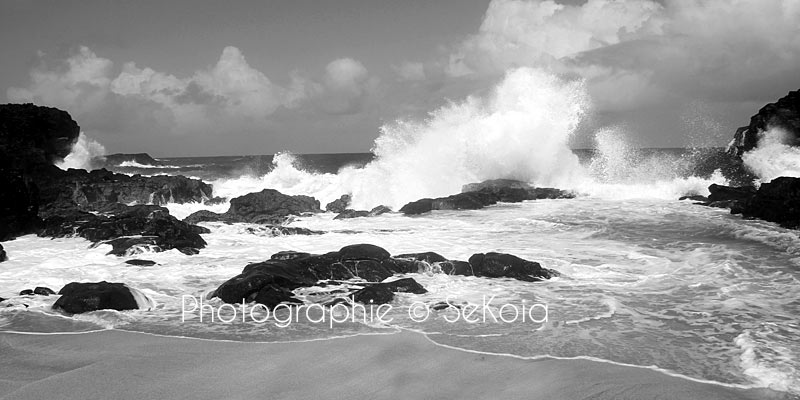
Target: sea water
<point x="646" y="280"/>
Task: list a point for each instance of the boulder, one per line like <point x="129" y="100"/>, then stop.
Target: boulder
<point x="379" y="210"/>
<point x="39" y="290"/>
<point x="77" y="298"/>
<point x="783" y="114"/>
<point x="268" y="204"/>
<point x="377" y="294"/>
<point x="500" y="265"/>
<point x="363" y="252"/>
<point x="338" y="205"/>
<point x="3" y="255"/>
<point x="726" y="193"/>
<point x="495" y="184"/>
<point x="428" y="257"/>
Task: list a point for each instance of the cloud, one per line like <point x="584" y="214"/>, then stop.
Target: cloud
<point x="228" y="96"/>
<point x="635" y="53"/>
<point x="410" y="71"/>
<point x="347" y="84"/>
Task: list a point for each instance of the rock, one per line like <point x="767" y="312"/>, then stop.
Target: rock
<point x="26" y="292"/>
<point x="79" y="298"/>
<point x="405" y="285"/>
<point x="428" y="257"/>
<point x="93" y="190"/>
<point x="495" y="184"/>
<point x="205" y="216"/>
<point x="19" y="205"/>
<point x="489" y="193"/>
<point x="726" y="193"/>
<point x="339" y="205"/>
<point x="783" y="114"/>
<point x="363" y="252"/>
<point x="348" y="213"/>
<point x="3" y="255"/>
<point x="277" y="230"/>
<point x="454" y="267"/>
<point x="39" y="290"/>
<point x="379" y="210"/>
<point x="777" y="201"/>
<point x="500" y="265"/>
<point x="129" y="226"/>
<point x="272" y="295"/>
<point x="268" y="204"/>
<point x="254" y="277"/>
<point x="31" y="135"/>
<point x="694" y="197"/>
<point x="141" y="263"/>
<point x="289" y="255"/>
<point x="377" y="294"/>
<point x="139" y="158"/>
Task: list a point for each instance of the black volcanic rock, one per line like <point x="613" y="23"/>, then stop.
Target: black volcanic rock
<point x="725" y="193"/>
<point x="3" y="255"/>
<point x="31" y="135"/>
<point x="783" y="114"/>
<point x="270" y="203"/>
<point x="19" y="204"/>
<point x="500" y="265"/>
<point x="348" y="213"/>
<point x="363" y="252"/>
<point x="487" y="193"/>
<point x="777" y="201"/>
<point x="79" y="298"/>
<point x="139" y="158"/>
<point x="376" y="294"/>
<point x="39" y="291"/>
<point x="339" y="205"/>
<point x="141" y="263"/>
<point x="149" y="225"/>
<point x="271" y="282"/>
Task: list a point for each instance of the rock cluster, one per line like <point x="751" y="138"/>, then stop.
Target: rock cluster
<point x="271" y="282"/>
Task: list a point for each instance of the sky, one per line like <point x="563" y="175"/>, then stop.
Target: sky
<point x="182" y="78"/>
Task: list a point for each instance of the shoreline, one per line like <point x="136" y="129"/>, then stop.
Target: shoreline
<point x="123" y="364"/>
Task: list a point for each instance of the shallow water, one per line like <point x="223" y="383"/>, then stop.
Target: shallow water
<point x="688" y="289"/>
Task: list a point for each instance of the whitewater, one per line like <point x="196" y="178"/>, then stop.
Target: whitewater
<point x="647" y="280"/>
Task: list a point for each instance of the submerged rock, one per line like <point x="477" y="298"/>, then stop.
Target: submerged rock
<point x="39" y="290"/>
<point x="141" y="263"/>
<point x="348" y="213"/>
<point x="376" y="294"/>
<point x="139" y="158"/>
<point x="77" y="298"/>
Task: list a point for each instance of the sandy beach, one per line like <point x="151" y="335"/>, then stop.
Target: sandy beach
<point x="125" y="365"/>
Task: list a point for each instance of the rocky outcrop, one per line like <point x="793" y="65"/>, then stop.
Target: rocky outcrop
<point x="339" y="205"/>
<point x="3" y="255"/>
<point x="487" y="193"/>
<point x="32" y="135"/>
<point x="139" y="158"/>
<point x="126" y="228"/>
<point x="77" y="298"/>
<point x="777" y="201"/>
<point x="783" y="114"/>
<point x="272" y="282"/>
<point x="729" y="196"/>
<point x="268" y="206"/>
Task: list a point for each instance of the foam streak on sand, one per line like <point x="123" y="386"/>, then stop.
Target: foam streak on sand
<point x="404" y="365"/>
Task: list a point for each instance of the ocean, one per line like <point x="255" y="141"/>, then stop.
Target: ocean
<point x="647" y="280"/>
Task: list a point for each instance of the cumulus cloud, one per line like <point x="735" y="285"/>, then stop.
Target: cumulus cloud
<point x="229" y="96"/>
<point x="347" y="86"/>
<point x="636" y="53"/>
